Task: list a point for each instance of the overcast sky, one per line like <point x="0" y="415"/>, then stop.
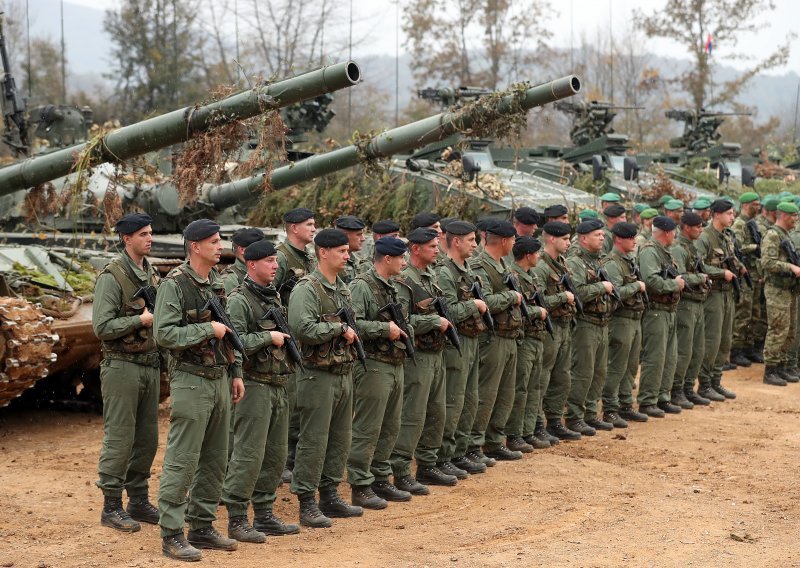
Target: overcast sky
<point x="375" y="23"/>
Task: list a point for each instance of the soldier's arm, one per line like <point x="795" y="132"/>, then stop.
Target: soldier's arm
<point x="231" y="281"/>
<point x="577" y="271"/>
<point x="682" y="262"/>
<point x="496" y="300"/>
<point x="169" y="332"/>
<point x="458" y="310"/>
<point x="771" y="255"/>
<point x="420" y="323"/>
<point x="615" y="275"/>
<point x="240" y="314"/>
<point x="366" y="312"/>
<point x="542" y="271"/>
<point x="743" y="236"/>
<point x="107" y="299"/>
<point x="704" y="248"/>
<point x="650" y="266"/>
<point x="304" y="316"/>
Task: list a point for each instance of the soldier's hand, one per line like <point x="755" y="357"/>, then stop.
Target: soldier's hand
<point x="570" y="297"/>
<point x="481" y="305"/>
<point x="519" y="297"/>
<point x="395" y="332"/>
<point x="681" y="282"/>
<point x="608" y="286"/>
<point x="796" y="271"/>
<point x="238" y="389"/>
<point x="544" y="314"/>
<point x="278" y="338"/>
<point x="444" y="323"/>
<point x="642" y="286"/>
<point x="146" y="318"/>
<point x="220" y="329"/>
<point x="349" y="335"/>
<point x="728" y="275"/>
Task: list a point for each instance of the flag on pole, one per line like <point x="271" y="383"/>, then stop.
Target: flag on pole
<point x="709" y="45"/>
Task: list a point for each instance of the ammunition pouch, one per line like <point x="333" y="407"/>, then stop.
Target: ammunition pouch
<point x="434" y="341"/>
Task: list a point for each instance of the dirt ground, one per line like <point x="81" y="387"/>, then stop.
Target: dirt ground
<point x="713" y="486"/>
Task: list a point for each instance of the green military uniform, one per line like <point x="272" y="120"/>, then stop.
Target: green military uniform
<point x="498" y="355"/>
<point x="197" y="443"/>
<point x="461" y="372"/>
<point x="233" y="275"/>
<point x="794" y="353"/>
<point x="325" y="389"/>
<point x="608" y="242"/>
<point x="691" y="316"/>
<point x="353" y="268"/>
<point x="759" y="319"/>
<point x="590" y="337"/>
<point x="129" y="375"/>
<point x="261" y="418"/>
<point x="780" y="290"/>
<point x="528" y="388"/>
<point x="744" y="338"/>
<point x="378" y="389"/>
<point x="624" y="332"/>
<point x="423" y="415"/>
<point x="557" y="357"/>
<point x="659" y="341"/>
<point x="714" y="247"/>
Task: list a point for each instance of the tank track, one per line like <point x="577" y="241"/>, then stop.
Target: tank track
<point x="26" y="347"/>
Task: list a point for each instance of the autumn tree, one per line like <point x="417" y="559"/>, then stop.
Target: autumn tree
<point x="689" y="22"/>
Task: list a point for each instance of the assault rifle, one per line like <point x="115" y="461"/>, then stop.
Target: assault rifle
<point x="218" y="314"/>
<point x="346" y="315"/>
<point x="791" y="252"/>
<point x="637" y="273"/>
<point x="670" y="273"/>
<point x="603" y="275"/>
<point x="512" y="285"/>
<point x="451" y="333"/>
<point x="701" y="268"/>
<point x="740" y="255"/>
<point x="276" y="315"/>
<point x="395" y="313"/>
<point x="538" y="299"/>
<point x="148" y="295"/>
<point x="477" y="293"/>
<point x="755" y="234"/>
<point x="728" y="263"/>
<point x="567" y="283"/>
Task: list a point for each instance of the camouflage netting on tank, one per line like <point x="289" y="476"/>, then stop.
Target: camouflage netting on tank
<point x="488" y="122"/>
<point x="663" y="186"/>
<point x="40" y="287"/>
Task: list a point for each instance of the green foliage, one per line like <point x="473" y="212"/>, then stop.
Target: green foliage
<point x="765" y="186"/>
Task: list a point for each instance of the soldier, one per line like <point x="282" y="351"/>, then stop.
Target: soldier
<point x="557" y="357"/>
<point x="614" y="214"/>
<point x="748" y="237"/>
<point x="383" y="228"/>
<point x="426" y="220"/>
<point x="423" y="414"/>
<point x="609" y="198"/>
<point x="199" y="422"/>
<point x="234" y="274"/>
<point x="325" y="388"/>
<point x="497" y="348"/>
<point x="261" y="419"/>
<point x="646" y="229"/>
<point x="378" y="389"/>
<point x="557" y="213"/>
<point x="659" y="341"/>
<point x="129" y="375"/>
<point x="636" y="213"/>
<point x="624" y="329"/>
<point x="521" y="423"/>
<point x="590" y="336"/>
<point x="674" y="209"/>
<point x="715" y="245"/>
<point x="690" y="315"/>
<point x="353" y="227"/>
<point x="702" y="207"/>
<point x="662" y="201"/>
<point x="526" y="221"/>
<point x="461" y="371"/>
<point x="780" y="289"/>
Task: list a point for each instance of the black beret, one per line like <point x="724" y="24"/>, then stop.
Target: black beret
<point x="691" y="219"/>
<point x="330" y="238"/>
<point x="424" y="220"/>
<point x="260" y="249"/>
<point x="349" y="223"/>
<point x="200" y="229"/>
<point x="721" y="205"/>
<point x="484" y="223"/>
<point x="556" y="228"/>
<point x="588" y="226"/>
<point x="444" y="221"/>
<point x="385" y="227"/>
<point x="421" y="235"/>
<point x="391" y="246"/>
<point x="525" y="245"/>
<point x="615" y="210"/>
<point x="246" y="237"/>
<point x="132" y="222"/>
<point x="502" y="229"/>
<point x="460" y="228"/>
<point x="664" y="223"/>
<point x="298" y="215"/>
<point x="556" y="211"/>
<point x="625" y="230"/>
<point x="527" y="216"/>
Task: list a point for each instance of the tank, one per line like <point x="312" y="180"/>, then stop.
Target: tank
<point x="47" y="273"/>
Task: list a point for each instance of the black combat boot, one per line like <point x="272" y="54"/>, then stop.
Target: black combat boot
<point x="208" y="537"/>
<point x="536" y="442"/>
<point x="432" y="475"/>
<point x="517" y="444"/>
<point x="541" y="432"/>
<point x="739" y="359"/>
<point x="477" y="456"/>
<point x="449" y="468"/>
<point x="557" y="429"/>
<point x="628" y="413"/>
<point x="240" y="529"/>
<point x="727" y="393"/>
<point x="390" y="492"/>
<point x="708" y="392"/>
<point x="755" y="355"/>
<point x="679" y="399"/>
<point x="178" y="548"/>
<point x="364" y="496"/>
<point x="771" y="377"/>
<point x="695" y="398"/>
<point x="332" y="505"/>
<point x="795" y="371"/>
<point x="114" y="516"/>
<point x="598" y="424"/>
<point x="668" y="407"/>
<point x="614" y="419"/>
<point x="266" y="522"/>
<point x="310" y="515"/>
<point x="651" y="410"/>
<point x="140" y="509"/>
<point x="787" y="375"/>
<point x="501" y="453"/>
<point x="409" y="483"/>
<point x="465" y="464"/>
<point x="581" y="427"/>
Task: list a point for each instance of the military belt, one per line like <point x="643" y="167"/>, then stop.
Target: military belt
<point x="152" y="359"/>
<point x="214" y="372"/>
<point x="721" y="285"/>
<point x="658" y="306"/>
<point x="508" y="333"/>
<point x="563" y="321"/>
<point x="335" y="369"/>
<point x="267" y="379"/>
<point x="628" y="313"/>
<point x="593" y="319"/>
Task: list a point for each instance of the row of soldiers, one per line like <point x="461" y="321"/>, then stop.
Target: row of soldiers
<point x="433" y="349"/>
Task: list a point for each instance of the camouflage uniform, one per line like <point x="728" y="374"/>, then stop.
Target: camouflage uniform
<point x="780" y="290"/>
<point x="743" y="336"/>
<point x="759" y="318"/>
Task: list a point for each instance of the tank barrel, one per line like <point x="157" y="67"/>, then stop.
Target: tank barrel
<point x="394" y="141"/>
<point x="180" y="125"/>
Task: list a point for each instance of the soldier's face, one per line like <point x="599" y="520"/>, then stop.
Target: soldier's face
<point x="466" y="245"/>
<point x="305" y="231"/>
<point x="208" y="250"/>
<point x="336" y="257"/>
<point x="263" y="270"/>
<point x="626" y="245"/>
<point x="355" y="240"/>
<point x="726" y="218"/>
<point x="790" y="219"/>
<point x="533" y="258"/>
<point x="394" y="264"/>
<point x="508" y="244"/>
<point x="693" y="233"/>
<point x="593" y="241"/>
<point x="561" y="244"/>
<point x="563" y="219"/>
<point x="524" y="230"/>
<point x="427" y="252"/>
<point x="140" y="242"/>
